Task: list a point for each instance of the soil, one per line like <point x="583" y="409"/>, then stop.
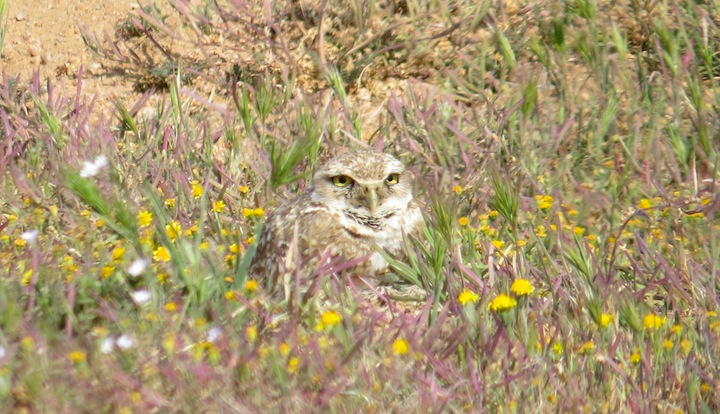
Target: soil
<point x="44" y="37"/>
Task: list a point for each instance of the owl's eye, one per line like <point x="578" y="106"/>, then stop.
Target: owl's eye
<point x="342" y="180"/>
<point x="392" y="179"/>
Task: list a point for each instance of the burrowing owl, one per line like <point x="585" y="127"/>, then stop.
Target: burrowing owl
<point x="358" y="202"/>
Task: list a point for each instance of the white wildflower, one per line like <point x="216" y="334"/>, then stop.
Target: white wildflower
<point x="92" y="168"/>
<point x="124" y="342"/>
<point x="138" y="267"/>
<point x="214" y="334"/>
<point x="141" y="296"/>
<point x="30" y="236"/>
<point x="107" y="345"/>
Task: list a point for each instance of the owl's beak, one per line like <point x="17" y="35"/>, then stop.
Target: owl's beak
<point x="371" y="200"/>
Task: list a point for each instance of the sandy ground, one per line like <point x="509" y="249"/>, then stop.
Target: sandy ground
<point x="44" y="36"/>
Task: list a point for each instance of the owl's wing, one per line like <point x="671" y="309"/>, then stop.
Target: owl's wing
<point x="286" y="241"/>
<point x="267" y="264"/>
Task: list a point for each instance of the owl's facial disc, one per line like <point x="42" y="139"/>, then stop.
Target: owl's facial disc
<point x="365" y="186"/>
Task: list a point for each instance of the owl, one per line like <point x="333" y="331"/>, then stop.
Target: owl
<point x="358" y="202"/>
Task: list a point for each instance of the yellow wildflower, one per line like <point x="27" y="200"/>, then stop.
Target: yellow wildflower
<point x="652" y="322"/>
<point x="248" y="212"/>
<point x="161" y="254"/>
<point x="543" y="202"/>
<point x="293" y="364"/>
<point x="330" y="318"/>
<point x="400" y="347"/>
<point x="170" y="307"/>
<point x="26" y="277"/>
<point x="243" y="189"/>
<point x="118" y="253"/>
<point x="107" y="271"/>
<point x="467" y="296"/>
<point x="520" y="243"/>
<point x="522" y="287"/>
<point x="250" y="240"/>
<point x="204" y="246"/>
<point x="284" y="349"/>
<point x="258" y="212"/>
<point x="463" y="221"/>
<point x="145" y="218"/>
<point x="76" y="357"/>
<point x="173" y="230"/>
<point x="68" y="264"/>
<point x="100" y="331"/>
<point x="579" y="231"/>
<point x="645" y="204"/>
<point x="20" y="242"/>
<point x="197" y="189"/>
<point x="502" y="302"/>
<point x="219" y="206"/>
<point x="251" y="285"/>
<point x="168" y="343"/>
<point x="541" y="231"/>
<point x="544" y="205"/>
<point x="686" y="346"/>
<point x="667" y="344"/>
<point x="251" y="333"/>
<point x="498" y="244"/>
<point x="587" y="347"/>
<point x="606" y="319"/>
<point x="27" y="343"/>
<point x="170" y="202"/>
<point x="457" y="189"/>
<point x="635" y="357"/>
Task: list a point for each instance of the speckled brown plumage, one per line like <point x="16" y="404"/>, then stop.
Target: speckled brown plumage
<point x="340" y="220"/>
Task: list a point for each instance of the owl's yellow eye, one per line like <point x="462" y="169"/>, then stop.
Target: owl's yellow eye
<point x="392" y="179"/>
<point x="342" y="180"/>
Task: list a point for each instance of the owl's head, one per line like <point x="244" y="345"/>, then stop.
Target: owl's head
<point x="366" y="185"/>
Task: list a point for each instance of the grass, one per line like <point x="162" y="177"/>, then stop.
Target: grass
<point x="566" y="154"/>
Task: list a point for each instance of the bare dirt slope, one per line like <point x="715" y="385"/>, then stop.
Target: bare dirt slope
<point x="44" y="36"/>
